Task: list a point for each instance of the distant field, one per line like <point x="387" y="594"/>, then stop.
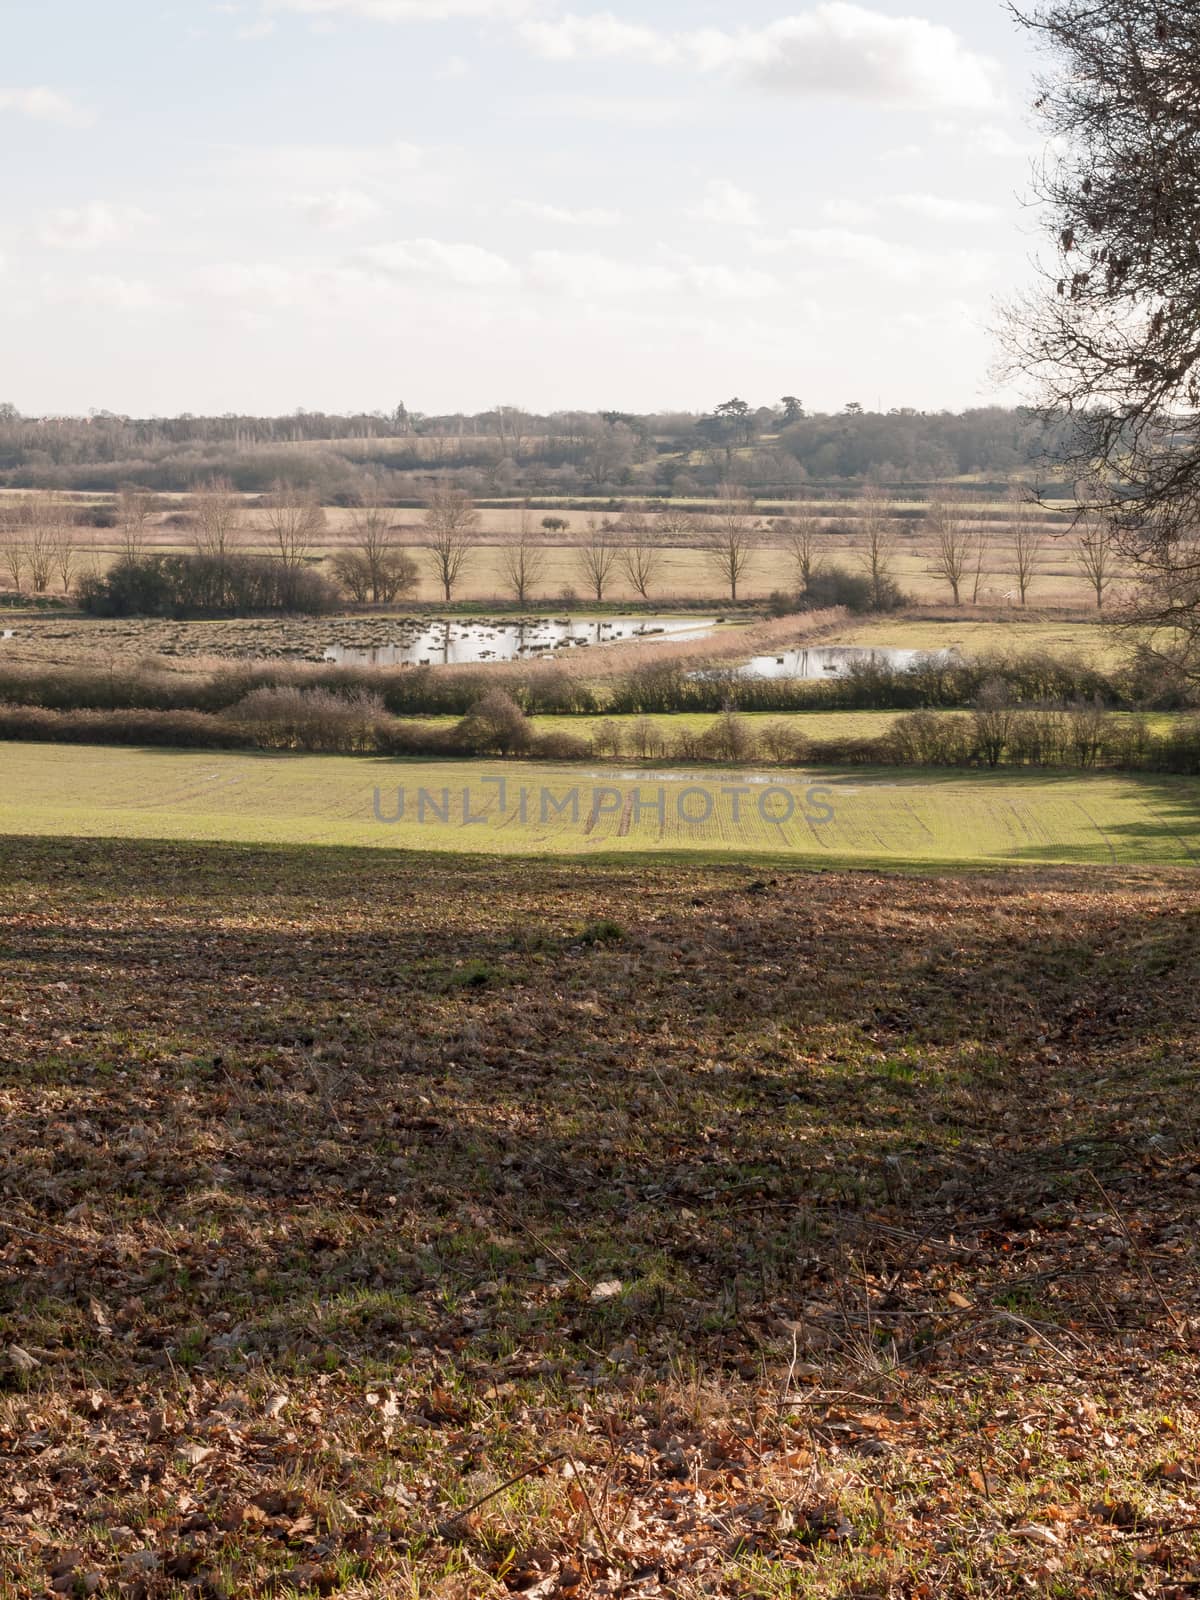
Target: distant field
<point x="863" y="817"/>
<point x="48" y="639"/>
<point x="1095" y="641"/>
<point x="685" y="573"/>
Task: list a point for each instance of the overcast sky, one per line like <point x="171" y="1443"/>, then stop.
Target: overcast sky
<point x="457" y="203"/>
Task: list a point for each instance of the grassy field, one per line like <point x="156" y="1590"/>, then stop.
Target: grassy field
<point x="533" y="809"/>
<point x="1086" y="641"/>
<point x="426" y="1229"/>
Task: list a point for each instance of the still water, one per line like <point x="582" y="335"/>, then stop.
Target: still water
<point x="469" y="643"/>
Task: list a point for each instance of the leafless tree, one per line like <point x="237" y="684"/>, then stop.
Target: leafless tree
<point x="1027" y="546"/>
<point x="598" y="558"/>
<point x="134" y="508"/>
<point x="1112" y="335"/>
<point x="800" y="538"/>
<point x="218" y="511"/>
<point x="640" y="557"/>
<point x="373" y="569"/>
<point x="450" y="525"/>
<point x="1095" y="551"/>
<point x="30" y="537"/>
<point x="981" y="571"/>
<point x="522" y="560"/>
<point x="66" y="550"/>
<point x="609" y="448"/>
<point x="951" y="545"/>
<point x="730" y="538"/>
<point x="12" y="543"/>
<point x="675" y="524"/>
<point x="295" y="521"/>
<point x="876" y="528"/>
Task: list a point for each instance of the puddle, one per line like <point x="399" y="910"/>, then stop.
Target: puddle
<point x="838" y="661"/>
<point x="469" y="643"/>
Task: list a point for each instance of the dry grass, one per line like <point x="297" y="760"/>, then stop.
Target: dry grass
<point x="385" y="1228"/>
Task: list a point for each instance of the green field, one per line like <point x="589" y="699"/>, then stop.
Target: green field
<point x="1090" y="641"/>
<point x="860" y="817"/>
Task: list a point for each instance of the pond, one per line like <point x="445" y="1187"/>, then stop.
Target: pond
<point x="837" y="661"/>
<point x="469" y="643"/>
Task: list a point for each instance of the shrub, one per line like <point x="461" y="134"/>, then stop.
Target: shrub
<point x="834" y="586"/>
<point x="495" y="725"/>
<point x="396" y="738"/>
<point x="558" y="746"/>
<point x="186" y="729"/>
<point x="731" y="738"/>
<point x="608" y="738"/>
<point x="197" y="585"/>
<point x="647" y="739"/>
<point x="310" y="719"/>
<point x="783" y="744"/>
<point x="925" y="739"/>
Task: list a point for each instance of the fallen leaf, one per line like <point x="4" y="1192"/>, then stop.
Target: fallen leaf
<point x="1037" y="1533"/>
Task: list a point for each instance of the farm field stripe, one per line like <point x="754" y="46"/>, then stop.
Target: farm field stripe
<point x="530" y="809"/>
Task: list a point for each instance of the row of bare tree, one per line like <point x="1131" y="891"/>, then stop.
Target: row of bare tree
<point x="39" y="542"/>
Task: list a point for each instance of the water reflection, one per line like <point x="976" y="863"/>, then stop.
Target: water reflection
<point x="466" y="643"/>
<point x="836" y="661"/>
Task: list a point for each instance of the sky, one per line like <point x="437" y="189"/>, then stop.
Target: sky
<point x="262" y="205"/>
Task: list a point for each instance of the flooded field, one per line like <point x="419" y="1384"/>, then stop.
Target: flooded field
<point x="836" y="661"/>
<point x="469" y="642"/>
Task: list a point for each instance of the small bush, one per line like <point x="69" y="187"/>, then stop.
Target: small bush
<point x="783" y="744"/>
<point x="310" y="719"/>
<point x="730" y="738"/>
<point x="608" y="739"/>
<point x="834" y="586"/>
<point x="558" y="746"/>
<point x="495" y="725"/>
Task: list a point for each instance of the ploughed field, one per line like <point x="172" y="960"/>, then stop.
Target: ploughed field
<point x="860" y="816"/>
<point x="396" y="1225"/>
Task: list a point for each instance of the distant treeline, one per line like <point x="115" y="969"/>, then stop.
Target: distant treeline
<point x="771" y="450"/>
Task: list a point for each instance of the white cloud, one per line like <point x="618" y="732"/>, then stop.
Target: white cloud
<point x="941" y="208"/>
<point x="847" y="213"/>
<point x="835" y="49"/>
<point x="405" y="10"/>
<point x="456" y="67"/>
<point x="582" y="217"/>
<point x="881" y="258"/>
<point x="572" y="38"/>
<point x="44" y="105"/>
<point x="323" y="165"/>
<point x="643" y="111"/>
<point x="339" y="208"/>
<point x="89" y="227"/>
<point x="991" y="140"/>
<point x="254" y="281"/>
<point x="726" y="283"/>
<point x="589" y="276"/>
<point x="592" y="276"/>
<point x="108" y="292"/>
<point x="724" y="203"/>
<point x="469" y="266"/>
<point x="256" y="30"/>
